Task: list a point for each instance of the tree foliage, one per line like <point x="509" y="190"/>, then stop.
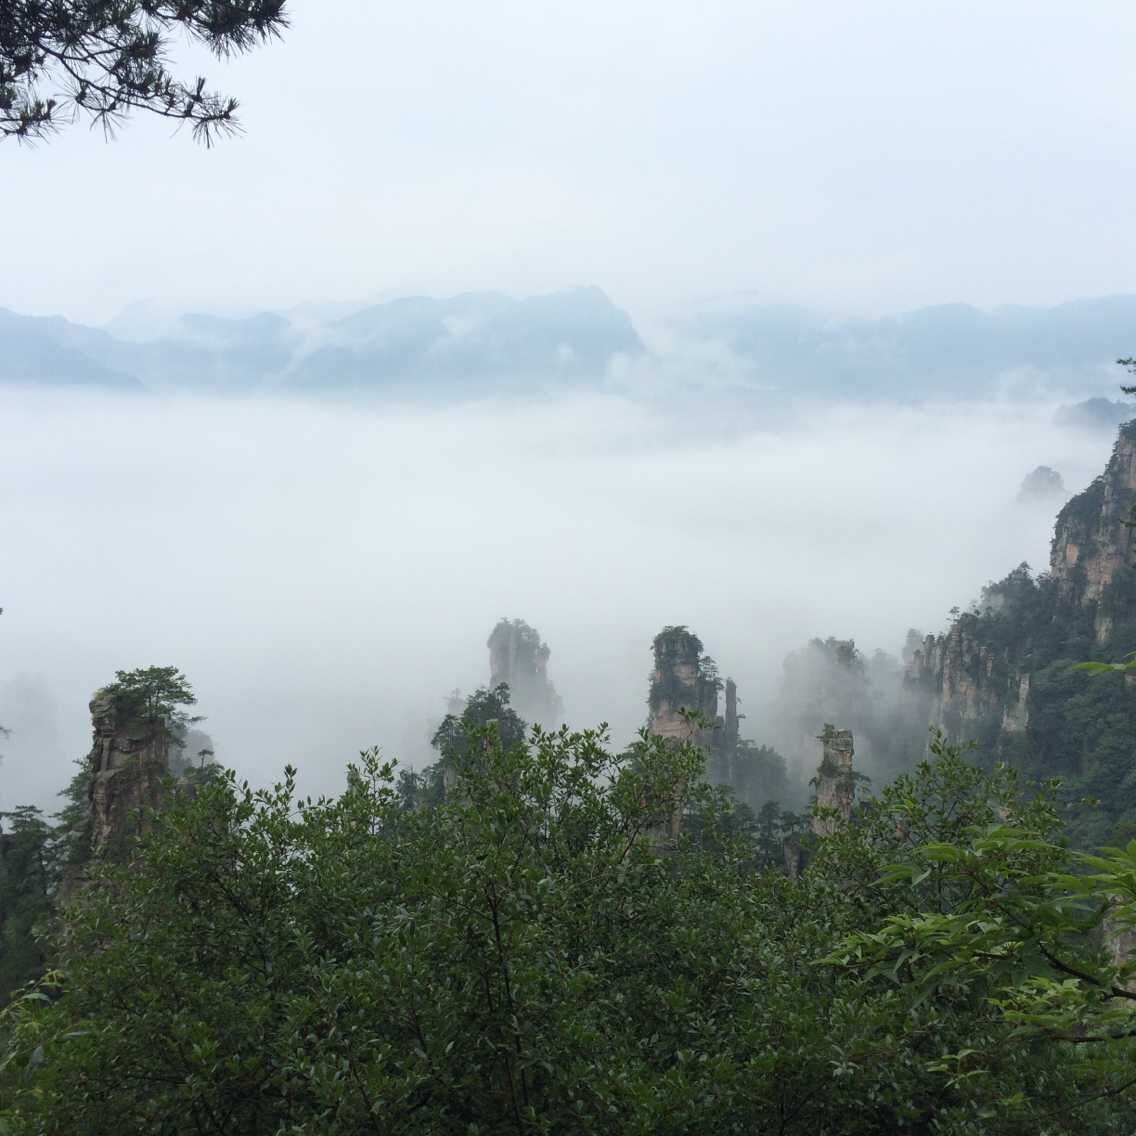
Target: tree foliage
<point x="531" y="956"/>
<point x="25" y="887"/>
<point x="154" y="694"/>
<point x="35" y="856"/>
<point x="105" y="58"/>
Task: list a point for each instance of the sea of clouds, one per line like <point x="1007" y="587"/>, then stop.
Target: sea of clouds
<point x="326" y="573"/>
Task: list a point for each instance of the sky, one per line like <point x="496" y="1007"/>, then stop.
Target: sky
<point x="327" y="573"/>
<point x="867" y="157"/>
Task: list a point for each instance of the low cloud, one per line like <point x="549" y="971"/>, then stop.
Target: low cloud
<point x="327" y="574"/>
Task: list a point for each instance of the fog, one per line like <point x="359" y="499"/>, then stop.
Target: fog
<point x="326" y="574"/>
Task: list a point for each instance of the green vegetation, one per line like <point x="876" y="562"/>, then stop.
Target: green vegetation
<point x="531" y="956"/>
<point x="106" y="58"/>
<point x="35" y="857"/>
<point x="153" y="694"/>
<point x="755" y="774"/>
<point x="40" y="855"/>
<point x="24" y="895"/>
<point x="680" y="679"/>
<point x="1081" y="713"/>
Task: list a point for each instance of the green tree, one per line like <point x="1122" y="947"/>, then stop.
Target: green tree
<point x="71" y="837"/>
<point x="461" y="739"/>
<point x="26" y="883"/>
<point x="420" y="789"/>
<point x="989" y="943"/>
<point x="530" y="957"/>
<point x="35" y="860"/>
<point x="154" y="694"/>
<point x="106" y="58"/>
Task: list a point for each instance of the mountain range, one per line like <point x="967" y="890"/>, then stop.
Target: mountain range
<point x="444" y="345"/>
<point x="951" y="349"/>
<point x="481" y="342"/>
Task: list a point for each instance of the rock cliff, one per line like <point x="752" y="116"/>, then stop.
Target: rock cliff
<point x="1004" y="676"/>
<point x="1092" y="542"/>
<point x="964" y="679"/>
<point x="129" y="763"/>
<point x="977" y="673"/>
<point x="835" y="781"/>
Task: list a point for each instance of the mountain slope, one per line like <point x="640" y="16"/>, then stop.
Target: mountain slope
<point x="52" y="352"/>
<point x="1004" y="674"/>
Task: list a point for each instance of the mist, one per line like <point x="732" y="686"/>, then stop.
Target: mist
<point x="326" y="573"/>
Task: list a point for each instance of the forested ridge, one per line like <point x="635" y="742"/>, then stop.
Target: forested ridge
<point x="533" y="951"/>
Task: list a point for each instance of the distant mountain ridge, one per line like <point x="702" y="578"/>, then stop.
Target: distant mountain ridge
<point x="573" y="335"/>
<point x="51" y="351"/>
<point x="950" y="348"/>
<point x="416" y="343"/>
<point x="480" y="342"/>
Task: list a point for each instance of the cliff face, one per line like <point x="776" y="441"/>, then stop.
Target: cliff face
<point x="129" y="762"/>
<point x="977" y="674"/>
<point x="964" y="680"/>
<point x="518" y="658"/>
<point x="1092" y="543"/>
<point x="681" y="680"/>
<point x="1003" y="675"/>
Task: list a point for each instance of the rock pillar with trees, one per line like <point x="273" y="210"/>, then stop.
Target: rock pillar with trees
<point x="835" y="781"/>
<point x="518" y="659"/>
<point x="683" y="706"/>
<point x="135" y="721"/>
<point x="683" y="698"/>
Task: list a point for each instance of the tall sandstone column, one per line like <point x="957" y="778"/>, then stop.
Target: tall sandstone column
<point x="681" y="681"/>
<point x="129" y="763"/>
<point x="835" y="781"/>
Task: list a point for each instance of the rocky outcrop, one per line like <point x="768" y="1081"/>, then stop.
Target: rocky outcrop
<point x="963" y="680"/>
<point x="518" y="659"/>
<point x="1092" y="542"/>
<point x="730" y="722"/>
<point x="685" y="705"/>
<point x="129" y="763"/>
<point x="977" y="676"/>
<point x="835" y="781"/>
<point x="1015" y="714"/>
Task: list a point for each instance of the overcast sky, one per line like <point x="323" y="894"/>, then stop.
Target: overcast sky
<point x="868" y="157"/>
